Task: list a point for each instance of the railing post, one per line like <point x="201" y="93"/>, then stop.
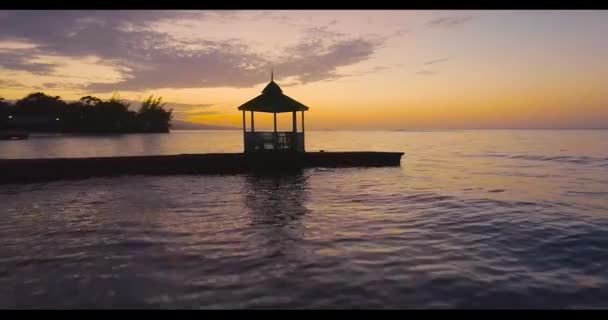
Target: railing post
<point x="303" y="134"/>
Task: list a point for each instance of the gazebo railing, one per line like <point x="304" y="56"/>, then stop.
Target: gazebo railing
<point x="274" y="141"/>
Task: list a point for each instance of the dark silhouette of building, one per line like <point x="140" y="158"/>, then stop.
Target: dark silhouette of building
<point x="272" y="100"/>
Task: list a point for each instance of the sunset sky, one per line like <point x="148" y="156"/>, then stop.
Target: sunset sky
<point x="354" y="69"/>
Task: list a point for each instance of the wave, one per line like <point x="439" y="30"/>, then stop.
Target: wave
<point x="584" y="160"/>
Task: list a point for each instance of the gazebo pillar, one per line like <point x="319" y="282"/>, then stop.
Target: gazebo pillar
<point x="252" y="123"/>
<point x="303" y="134"/>
<point x="244" y="132"/>
<point x="294" y="136"/>
<point x="275" y="137"/>
<point x="244" y="123"/>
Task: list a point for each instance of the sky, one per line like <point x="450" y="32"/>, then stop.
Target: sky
<point x="354" y="69"/>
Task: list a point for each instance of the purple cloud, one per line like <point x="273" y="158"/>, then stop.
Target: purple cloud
<point x="150" y="59"/>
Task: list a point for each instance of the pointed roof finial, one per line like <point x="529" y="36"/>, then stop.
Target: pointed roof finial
<point x="271" y="75"/>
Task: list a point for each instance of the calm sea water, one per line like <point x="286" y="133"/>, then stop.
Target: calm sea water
<point x="471" y="219"/>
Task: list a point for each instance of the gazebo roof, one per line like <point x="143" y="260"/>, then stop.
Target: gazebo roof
<point x="272" y="100"/>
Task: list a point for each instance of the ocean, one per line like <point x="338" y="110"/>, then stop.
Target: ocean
<point x="471" y="219"/>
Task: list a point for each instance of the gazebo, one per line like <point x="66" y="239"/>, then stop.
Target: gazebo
<point x="272" y="100"/>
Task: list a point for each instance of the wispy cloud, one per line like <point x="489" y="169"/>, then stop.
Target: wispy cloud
<point x="426" y="72"/>
<point x="450" y="21"/>
<point x="195" y="113"/>
<point x="435" y="61"/>
<point x="180" y="110"/>
<point x="22" y="61"/>
<point x="61" y="86"/>
<point x="374" y="70"/>
<point x="318" y="60"/>
<point x="6" y="83"/>
<point x="190" y="108"/>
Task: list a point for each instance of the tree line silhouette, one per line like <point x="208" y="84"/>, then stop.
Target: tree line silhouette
<point x="40" y="112"/>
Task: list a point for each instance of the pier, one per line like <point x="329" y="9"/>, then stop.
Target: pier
<point x="270" y="151"/>
<point x="39" y="170"/>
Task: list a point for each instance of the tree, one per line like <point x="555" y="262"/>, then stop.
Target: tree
<point x="111" y="116"/>
<point x="90" y="100"/>
<point x="75" y="117"/>
<point x="40" y="112"/>
<point x="5" y="110"/>
<point x="40" y="103"/>
<point x="4" y="105"/>
<point x="152" y="115"/>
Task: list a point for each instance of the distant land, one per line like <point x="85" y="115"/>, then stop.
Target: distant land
<point x="186" y="125"/>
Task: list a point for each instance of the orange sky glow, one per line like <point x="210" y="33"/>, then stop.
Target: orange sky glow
<point x="354" y="69"/>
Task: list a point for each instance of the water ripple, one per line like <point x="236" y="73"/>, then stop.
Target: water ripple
<point x="470" y="220"/>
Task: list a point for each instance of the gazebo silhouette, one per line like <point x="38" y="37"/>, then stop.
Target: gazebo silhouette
<point x="272" y="100"/>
